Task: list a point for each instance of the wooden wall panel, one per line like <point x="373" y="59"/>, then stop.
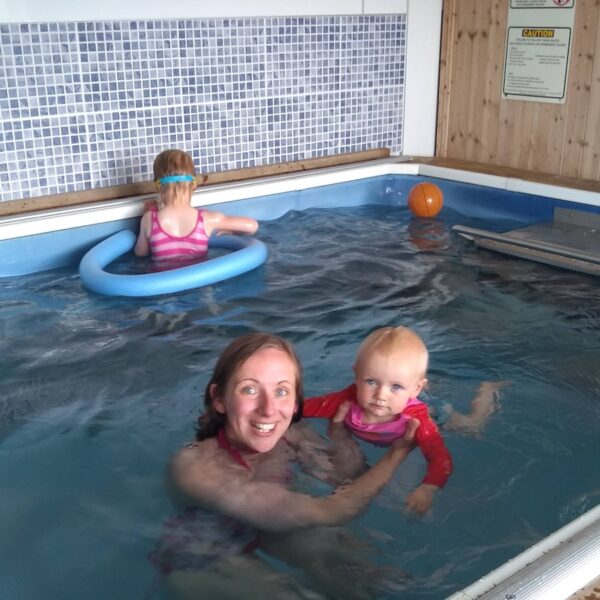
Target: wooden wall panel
<point x="462" y="49"/>
<point x="476" y="124"/>
<point x="578" y="92"/>
<point x="590" y="163"/>
<point x="493" y="81"/>
<point x="444" y="82"/>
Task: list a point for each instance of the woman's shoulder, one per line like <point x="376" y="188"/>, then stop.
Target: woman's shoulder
<point x="197" y="464"/>
<point x="195" y="452"/>
<point x="194" y="472"/>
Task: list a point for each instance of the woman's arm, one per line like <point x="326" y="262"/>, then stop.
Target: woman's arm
<point x="334" y="461"/>
<point x="216" y="221"/>
<point x="228" y="489"/>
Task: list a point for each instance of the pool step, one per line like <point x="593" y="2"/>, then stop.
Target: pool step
<point x="571" y="241"/>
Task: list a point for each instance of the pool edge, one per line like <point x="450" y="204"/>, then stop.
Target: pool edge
<point x="571" y="554"/>
<point x="45" y="221"/>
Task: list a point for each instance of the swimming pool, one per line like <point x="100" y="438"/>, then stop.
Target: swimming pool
<point x="98" y="392"/>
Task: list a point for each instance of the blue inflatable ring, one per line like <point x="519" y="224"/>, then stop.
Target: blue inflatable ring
<point x="247" y="254"/>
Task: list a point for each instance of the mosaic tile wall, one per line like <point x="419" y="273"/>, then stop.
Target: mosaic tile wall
<point x="87" y="105"/>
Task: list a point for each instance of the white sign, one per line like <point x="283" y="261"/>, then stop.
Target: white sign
<point x="542" y="3"/>
<point x="538" y="46"/>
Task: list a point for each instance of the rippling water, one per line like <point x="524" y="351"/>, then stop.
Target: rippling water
<point x="96" y="393"/>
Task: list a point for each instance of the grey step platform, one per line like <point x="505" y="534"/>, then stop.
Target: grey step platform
<point x="570" y="241"/>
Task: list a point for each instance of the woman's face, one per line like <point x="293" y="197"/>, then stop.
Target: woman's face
<point x="259" y="400"/>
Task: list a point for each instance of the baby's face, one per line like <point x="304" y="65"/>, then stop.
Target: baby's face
<point x="385" y="384"/>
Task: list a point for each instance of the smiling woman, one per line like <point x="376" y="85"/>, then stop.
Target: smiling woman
<point x="260" y="400"/>
<point x="241" y="372"/>
<point x="239" y="467"/>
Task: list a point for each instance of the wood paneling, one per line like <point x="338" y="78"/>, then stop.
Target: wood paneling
<point x="577" y="183"/>
<point x="15" y="207"/>
<point x="476" y="124"/>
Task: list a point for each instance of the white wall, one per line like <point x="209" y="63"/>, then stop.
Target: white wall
<point x="31" y="11"/>
<point x="422" y="76"/>
<point x="423" y="44"/>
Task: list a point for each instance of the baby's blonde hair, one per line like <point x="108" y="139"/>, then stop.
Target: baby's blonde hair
<point x="392" y="341"/>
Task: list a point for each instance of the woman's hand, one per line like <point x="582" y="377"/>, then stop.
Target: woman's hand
<point x="341" y="413"/>
<point x="407" y="442"/>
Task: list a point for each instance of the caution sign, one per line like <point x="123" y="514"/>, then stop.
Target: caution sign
<point x="538" y="45"/>
<point x="542" y="3"/>
<point x="538" y="33"/>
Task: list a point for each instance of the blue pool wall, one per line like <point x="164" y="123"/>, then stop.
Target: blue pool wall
<point x="86" y="105"/>
<point x="500" y="209"/>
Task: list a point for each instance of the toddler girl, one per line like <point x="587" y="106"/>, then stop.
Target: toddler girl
<point x="175" y="232"/>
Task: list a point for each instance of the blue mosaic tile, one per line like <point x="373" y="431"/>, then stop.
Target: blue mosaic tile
<point x="85" y="105"/>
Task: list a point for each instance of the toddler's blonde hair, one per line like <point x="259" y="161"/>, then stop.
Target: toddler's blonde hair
<point x="174" y="162"/>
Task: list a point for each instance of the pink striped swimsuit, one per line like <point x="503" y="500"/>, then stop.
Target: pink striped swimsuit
<point x="171" y="250"/>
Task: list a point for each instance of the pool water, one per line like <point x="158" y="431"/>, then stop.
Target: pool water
<point x="96" y="394"/>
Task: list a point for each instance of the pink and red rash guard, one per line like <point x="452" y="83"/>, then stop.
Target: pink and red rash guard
<point x="427" y="437"/>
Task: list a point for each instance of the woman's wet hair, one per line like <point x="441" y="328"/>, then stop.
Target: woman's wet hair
<point x="237" y="353"/>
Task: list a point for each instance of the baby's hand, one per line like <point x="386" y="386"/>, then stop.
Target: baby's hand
<point x="341" y="413"/>
<point x="421" y="499"/>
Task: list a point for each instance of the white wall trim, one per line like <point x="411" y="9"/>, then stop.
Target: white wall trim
<point x="424" y="29"/>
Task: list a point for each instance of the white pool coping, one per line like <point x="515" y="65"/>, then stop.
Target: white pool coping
<point x="58" y="219"/>
<point x="553" y="569"/>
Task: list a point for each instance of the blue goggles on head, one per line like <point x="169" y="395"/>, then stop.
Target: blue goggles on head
<point x="176" y="178"/>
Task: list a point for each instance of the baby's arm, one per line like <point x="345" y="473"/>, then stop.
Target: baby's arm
<point x="482" y="407"/>
<point x="439" y="464"/>
<point x="142" y="248"/>
<point x="327" y="405"/>
<point x="221" y="223"/>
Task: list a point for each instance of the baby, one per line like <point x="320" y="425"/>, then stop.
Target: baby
<point x="390" y="371"/>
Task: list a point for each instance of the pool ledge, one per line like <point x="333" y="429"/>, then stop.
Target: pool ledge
<point x="45" y="221"/>
<point x="553" y="569"/>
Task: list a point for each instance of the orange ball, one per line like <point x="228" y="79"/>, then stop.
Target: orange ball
<point x="425" y="200"/>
